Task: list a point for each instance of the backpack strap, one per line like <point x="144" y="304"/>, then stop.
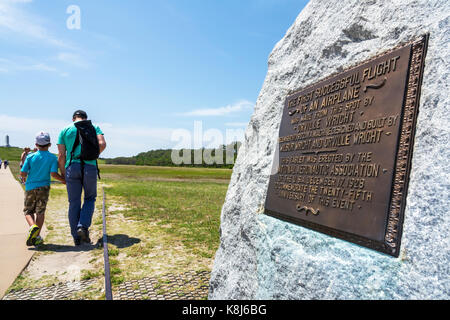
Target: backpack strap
<point x="98" y="170"/>
<point x="75" y="144"/>
<point x="82" y="171"/>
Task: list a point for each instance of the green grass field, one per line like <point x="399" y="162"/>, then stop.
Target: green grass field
<point x="160" y="220"/>
<point x="192" y="209"/>
<point x="10" y="154"/>
<point x="114" y="172"/>
<point x="13" y="157"/>
<point x="174" y="212"/>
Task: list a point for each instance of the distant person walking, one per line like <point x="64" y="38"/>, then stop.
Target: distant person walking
<point x="5" y="164"/>
<point x="79" y="146"/>
<point x="24" y="155"/>
<point x="0" y="163"/>
<point x="36" y="173"/>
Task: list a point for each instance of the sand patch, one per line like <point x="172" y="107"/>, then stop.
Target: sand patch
<point x="65" y="265"/>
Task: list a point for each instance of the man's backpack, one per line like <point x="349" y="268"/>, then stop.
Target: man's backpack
<point x="87" y="138"/>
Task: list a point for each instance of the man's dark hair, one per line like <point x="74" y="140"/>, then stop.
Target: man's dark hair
<point x="80" y="114"/>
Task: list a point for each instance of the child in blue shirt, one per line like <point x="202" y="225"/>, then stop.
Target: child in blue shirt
<point x="37" y="171"/>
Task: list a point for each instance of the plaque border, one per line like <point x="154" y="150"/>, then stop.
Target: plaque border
<point x="394" y="226"/>
<point x="402" y="167"/>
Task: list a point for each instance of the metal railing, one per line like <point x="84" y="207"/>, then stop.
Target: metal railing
<point x="108" y="291"/>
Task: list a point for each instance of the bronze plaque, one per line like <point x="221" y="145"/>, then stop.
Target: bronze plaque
<point x="344" y="150"/>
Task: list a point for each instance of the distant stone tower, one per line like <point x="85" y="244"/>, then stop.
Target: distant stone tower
<point x="7" y="142"/>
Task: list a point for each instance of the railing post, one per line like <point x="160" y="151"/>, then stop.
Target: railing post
<point x="108" y="291"/>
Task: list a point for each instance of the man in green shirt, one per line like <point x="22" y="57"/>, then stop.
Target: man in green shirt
<point x="81" y="175"/>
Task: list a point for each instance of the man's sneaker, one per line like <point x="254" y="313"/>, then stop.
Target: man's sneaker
<point x="77" y="242"/>
<point x="38" y="241"/>
<point x="34" y="229"/>
<point x="83" y="233"/>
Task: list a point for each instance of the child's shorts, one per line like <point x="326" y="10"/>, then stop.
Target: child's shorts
<point x="36" y="200"/>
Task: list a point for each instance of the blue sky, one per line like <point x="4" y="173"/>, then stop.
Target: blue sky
<point x="140" y="68"/>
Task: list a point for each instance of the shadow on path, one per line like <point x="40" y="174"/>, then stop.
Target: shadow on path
<point x="119" y="240"/>
<point x="64" y="248"/>
<point x="122" y="240"/>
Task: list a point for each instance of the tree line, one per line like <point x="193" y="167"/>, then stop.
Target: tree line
<point x="163" y="157"/>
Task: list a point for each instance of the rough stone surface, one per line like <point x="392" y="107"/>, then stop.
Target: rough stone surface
<point x="264" y="258"/>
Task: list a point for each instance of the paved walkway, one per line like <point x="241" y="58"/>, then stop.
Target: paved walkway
<point x="14" y="254"/>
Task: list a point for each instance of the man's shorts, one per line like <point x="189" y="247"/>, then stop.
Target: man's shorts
<point x="36" y="200"/>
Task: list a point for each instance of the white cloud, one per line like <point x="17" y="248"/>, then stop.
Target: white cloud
<point x="121" y="140"/>
<point x="26" y="64"/>
<point x="17" y="23"/>
<point x="40" y="67"/>
<point x="72" y="59"/>
<point x="233" y="108"/>
<point x="22" y="131"/>
<point x="14" y="19"/>
<point x="236" y="124"/>
<point x="129" y="141"/>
